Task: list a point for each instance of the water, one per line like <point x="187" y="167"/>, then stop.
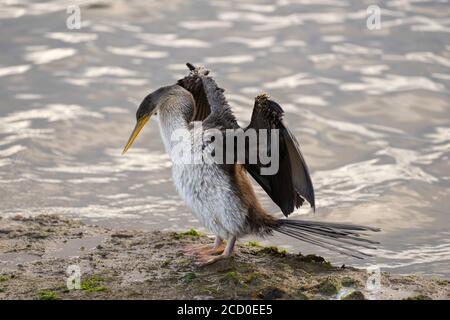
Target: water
<point x="369" y="107"/>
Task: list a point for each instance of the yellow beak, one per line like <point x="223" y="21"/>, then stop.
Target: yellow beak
<point x="139" y="125"/>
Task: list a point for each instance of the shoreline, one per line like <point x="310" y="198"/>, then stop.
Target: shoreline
<point x="36" y="253"/>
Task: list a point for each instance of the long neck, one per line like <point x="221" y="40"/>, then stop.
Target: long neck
<point x="175" y="113"/>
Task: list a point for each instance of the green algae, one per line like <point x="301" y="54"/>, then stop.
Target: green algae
<point x="47" y="295"/>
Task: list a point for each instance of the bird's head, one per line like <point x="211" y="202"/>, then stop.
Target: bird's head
<point x="147" y="108"/>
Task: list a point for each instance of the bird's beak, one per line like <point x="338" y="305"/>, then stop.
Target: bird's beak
<point x="139" y="125"/>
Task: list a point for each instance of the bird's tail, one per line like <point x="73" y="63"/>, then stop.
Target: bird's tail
<point x="339" y="237"/>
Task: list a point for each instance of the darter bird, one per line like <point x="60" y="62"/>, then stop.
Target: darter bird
<point x="221" y="195"/>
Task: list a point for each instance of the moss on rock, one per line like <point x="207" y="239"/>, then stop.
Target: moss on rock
<point x="93" y="284"/>
<point x="272" y="250"/>
<point x="355" y="295"/>
<point x="253" y="244"/>
<point x="47" y="295"/>
<point x="349" y="282"/>
<point x="189" y="276"/>
<point x="191" y="233"/>
<point x="329" y="287"/>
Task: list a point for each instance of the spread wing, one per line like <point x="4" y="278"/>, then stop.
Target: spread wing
<point x="292" y="183"/>
<point x="211" y="106"/>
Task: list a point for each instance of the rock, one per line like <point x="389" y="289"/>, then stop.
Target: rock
<point x="355" y="295"/>
<point x="349" y="282"/>
<point x="203" y="297"/>
<point x="271" y="293"/>
<point x="419" y="297"/>
<point x="131" y="265"/>
<point x="329" y="287"/>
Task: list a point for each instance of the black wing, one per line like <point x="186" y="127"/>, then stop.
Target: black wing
<point x="291" y="184"/>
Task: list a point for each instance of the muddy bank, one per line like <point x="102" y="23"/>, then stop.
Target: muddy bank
<point x="35" y="254"/>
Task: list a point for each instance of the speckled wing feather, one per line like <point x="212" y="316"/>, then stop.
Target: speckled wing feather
<point x="211" y="106"/>
<point x="291" y="184"/>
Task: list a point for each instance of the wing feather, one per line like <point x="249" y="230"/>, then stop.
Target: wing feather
<point x="292" y="183"/>
<point x="210" y="101"/>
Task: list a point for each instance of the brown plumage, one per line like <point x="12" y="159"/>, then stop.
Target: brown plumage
<point x="259" y="221"/>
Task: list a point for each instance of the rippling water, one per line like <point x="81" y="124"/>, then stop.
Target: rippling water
<point x="370" y="108"/>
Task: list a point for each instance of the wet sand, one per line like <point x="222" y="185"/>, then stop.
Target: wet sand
<point x="35" y="253"/>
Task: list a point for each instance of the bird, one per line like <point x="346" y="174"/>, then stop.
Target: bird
<point x="221" y="195"/>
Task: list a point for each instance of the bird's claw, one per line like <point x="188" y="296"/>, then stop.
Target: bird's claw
<point x="206" y="260"/>
<point x="194" y="250"/>
<point x="203" y="250"/>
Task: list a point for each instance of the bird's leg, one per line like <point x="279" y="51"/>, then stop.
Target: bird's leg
<point x="210" y="259"/>
<point x="206" y="249"/>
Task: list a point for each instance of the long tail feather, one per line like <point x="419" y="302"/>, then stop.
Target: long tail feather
<point x="339" y="237"/>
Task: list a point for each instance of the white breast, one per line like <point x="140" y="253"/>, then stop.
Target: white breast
<point x="206" y="189"/>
